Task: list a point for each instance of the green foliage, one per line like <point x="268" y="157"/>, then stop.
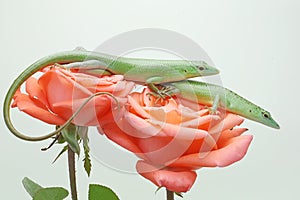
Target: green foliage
<point x="100" y="192"/>
<point x="60" y="139"/>
<point x="30" y="186"/>
<point x="53" y="193"/>
<point x="39" y="193"/>
<point x="87" y="161"/>
<point x="82" y="131"/>
<point x="60" y="153"/>
<point x="71" y="136"/>
<point x="85" y="143"/>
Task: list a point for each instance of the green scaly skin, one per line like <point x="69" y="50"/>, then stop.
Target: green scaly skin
<point x="205" y="93"/>
<point x="148" y="71"/>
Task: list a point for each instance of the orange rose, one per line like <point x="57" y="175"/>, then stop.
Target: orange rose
<point x="173" y="140"/>
<point x="58" y="93"/>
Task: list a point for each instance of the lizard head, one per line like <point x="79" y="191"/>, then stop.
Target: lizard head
<point x="260" y="115"/>
<point x="266" y="118"/>
<point x="190" y="69"/>
<point x="205" y="69"/>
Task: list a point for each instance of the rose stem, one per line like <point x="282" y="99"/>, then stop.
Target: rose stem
<point x="170" y="195"/>
<point x="72" y="175"/>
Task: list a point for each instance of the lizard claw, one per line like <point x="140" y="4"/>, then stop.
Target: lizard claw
<point x="158" y="96"/>
<point x="212" y="111"/>
<point x="162" y="94"/>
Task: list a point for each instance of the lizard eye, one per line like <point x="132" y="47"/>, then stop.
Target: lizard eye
<point x="265" y="115"/>
<point x="201" y="68"/>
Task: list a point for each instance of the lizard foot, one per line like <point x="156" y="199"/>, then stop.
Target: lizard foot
<point x="212" y="110"/>
<point x="162" y="93"/>
<point x="158" y="96"/>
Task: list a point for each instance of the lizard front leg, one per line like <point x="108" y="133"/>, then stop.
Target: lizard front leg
<point x="151" y="83"/>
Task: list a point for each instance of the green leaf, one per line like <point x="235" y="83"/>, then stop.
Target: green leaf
<point x="100" y="192"/>
<point x="70" y="135"/>
<point x="60" y="153"/>
<point x="87" y="162"/>
<point x="179" y="194"/>
<point x="30" y="186"/>
<point x="82" y="132"/>
<point x="61" y="139"/>
<point x="51" y="193"/>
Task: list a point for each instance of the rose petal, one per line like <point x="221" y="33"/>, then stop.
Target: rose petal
<point x="178" y="131"/>
<point x="88" y="115"/>
<point x="123" y="88"/>
<point x="35" y="91"/>
<point x="115" y="134"/>
<point x="233" y="152"/>
<point x="137" y="107"/>
<point x="199" y="121"/>
<point x="37" y="110"/>
<point x="177" y="181"/>
<point x="190" y="104"/>
<point x="60" y="88"/>
<point x="142" y="129"/>
<point x="228" y="134"/>
<point x="230" y="121"/>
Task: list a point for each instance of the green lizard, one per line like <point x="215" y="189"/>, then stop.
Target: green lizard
<point x="214" y="95"/>
<point x="149" y="71"/>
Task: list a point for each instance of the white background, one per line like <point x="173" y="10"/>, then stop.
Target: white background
<point x="254" y="43"/>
